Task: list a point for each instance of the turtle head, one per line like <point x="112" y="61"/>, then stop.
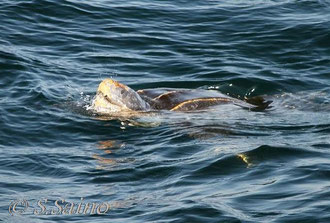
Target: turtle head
<point x="113" y="96"/>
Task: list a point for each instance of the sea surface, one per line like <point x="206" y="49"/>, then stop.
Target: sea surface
<point x="226" y="164"/>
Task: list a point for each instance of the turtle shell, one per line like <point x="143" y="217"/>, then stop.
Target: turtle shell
<point x="191" y="100"/>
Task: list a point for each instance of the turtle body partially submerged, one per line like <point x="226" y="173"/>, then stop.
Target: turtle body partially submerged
<point x="114" y="97"/>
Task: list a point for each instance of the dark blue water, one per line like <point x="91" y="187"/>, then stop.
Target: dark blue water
<point x="224" y="165"/>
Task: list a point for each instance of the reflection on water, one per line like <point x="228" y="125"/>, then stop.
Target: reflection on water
<point x="109" y="148"/>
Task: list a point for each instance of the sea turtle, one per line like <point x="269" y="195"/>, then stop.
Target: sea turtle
<point x="116" y="98"/>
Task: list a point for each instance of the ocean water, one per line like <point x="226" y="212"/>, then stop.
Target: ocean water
<point x="226" y="164"/>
